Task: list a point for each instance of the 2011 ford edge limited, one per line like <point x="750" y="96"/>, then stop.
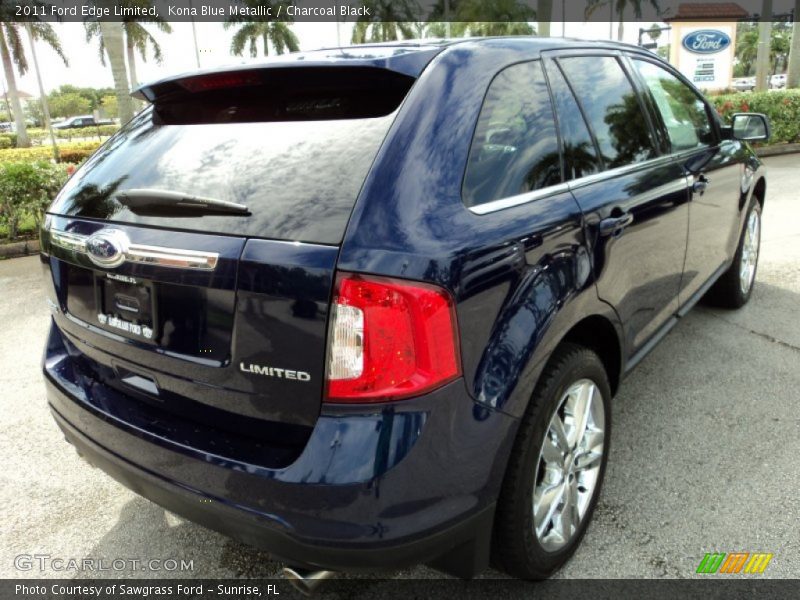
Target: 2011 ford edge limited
<point x="367" y="307"/>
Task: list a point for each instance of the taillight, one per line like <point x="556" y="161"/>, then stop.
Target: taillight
<point x="389" y="339"/>
<point x="216" y="81"/>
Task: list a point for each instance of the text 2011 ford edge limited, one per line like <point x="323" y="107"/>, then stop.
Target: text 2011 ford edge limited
<point x="367" y="308"/>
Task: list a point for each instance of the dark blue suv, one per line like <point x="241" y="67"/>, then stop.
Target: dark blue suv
<point x="367" y="307"/>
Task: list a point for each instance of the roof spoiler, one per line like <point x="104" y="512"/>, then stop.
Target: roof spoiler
<point x="401" y="61"/>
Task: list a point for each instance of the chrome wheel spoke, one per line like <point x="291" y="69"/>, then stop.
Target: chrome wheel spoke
<point x="588" y="460"/>
<point x="579" y="411"/>
<point x="566" y="519"/>
<point x="574" y="504"/>
<point x="569" y="465"/>
<point x="545" y="505"/>
<point x="551" y="453"/>
<point x="559" y="434"/>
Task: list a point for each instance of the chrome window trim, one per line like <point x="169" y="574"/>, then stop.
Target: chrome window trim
<point x="161" y="256"/>
<point x="624" y="170"/>
<point x="508" y="202"/>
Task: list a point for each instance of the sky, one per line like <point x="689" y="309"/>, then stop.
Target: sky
<point x="214" y="45"/>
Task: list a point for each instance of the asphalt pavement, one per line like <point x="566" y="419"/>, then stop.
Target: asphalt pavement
<point x="704" y="454"/>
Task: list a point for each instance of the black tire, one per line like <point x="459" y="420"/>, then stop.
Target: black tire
<point x="727" y="292"/>
<point x="516" y="547"/>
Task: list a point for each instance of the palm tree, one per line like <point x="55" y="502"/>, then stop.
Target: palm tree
<point x="747" y="48"/>
<point x="479" y="18"/>
<point x="544" y="12"/>
<point x="112" y="37"/>
<point x="764" y="39"/>
<point x="440" y="22"/>
<point x="779" y="47"/>
<point x="620" y="7"/>
<point x="388" y="20"/>
<point x="277" y="33"/>
<point x="12" y="52"/>
<point x="793" y="74"/>
<point x="137" y="38"/>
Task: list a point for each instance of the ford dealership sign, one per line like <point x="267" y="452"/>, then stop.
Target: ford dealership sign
<point x="706" y="41"/>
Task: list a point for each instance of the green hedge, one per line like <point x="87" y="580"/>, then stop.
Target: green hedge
<point x="782" y="108"/>
<point x="73" y="152"/>
<point x="102" y="130"/>
<point x="26" y="189"/>
<point x="42" y="136"/>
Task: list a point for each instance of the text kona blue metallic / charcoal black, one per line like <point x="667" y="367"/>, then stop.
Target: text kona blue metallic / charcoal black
<point x="367" y="307"/>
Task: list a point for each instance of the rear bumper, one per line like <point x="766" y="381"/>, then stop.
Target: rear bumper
<point x="360" y="497"/>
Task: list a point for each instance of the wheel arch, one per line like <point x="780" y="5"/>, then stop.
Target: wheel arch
<point x="760" y="190"/>
<point x="597" y="333"/>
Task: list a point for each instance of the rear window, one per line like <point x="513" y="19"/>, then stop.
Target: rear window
<point x="299" y="175"/>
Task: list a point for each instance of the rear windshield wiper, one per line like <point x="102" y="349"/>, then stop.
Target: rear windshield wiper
<point x="163" y="201"/>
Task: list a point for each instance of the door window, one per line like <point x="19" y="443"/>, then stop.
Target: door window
<point x="515" y="148"/>
<point x="577" y="146"/>
<point x="683" y="112"/>
<point x="611" y="107"/>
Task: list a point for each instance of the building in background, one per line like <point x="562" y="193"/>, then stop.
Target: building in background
<point x="703" y="42"/>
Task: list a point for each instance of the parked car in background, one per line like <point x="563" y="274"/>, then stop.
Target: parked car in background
<point x="778" y="81"/>
<point x="367" y="308"/>
<point x="744" y="84"/>
<point x="81" y="121"/>
<point x="7" y="127"/>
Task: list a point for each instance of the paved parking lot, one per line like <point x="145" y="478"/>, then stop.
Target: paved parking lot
<point x="705" y="450"/>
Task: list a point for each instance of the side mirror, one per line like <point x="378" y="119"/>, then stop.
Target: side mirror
<point x="750" y="127"/>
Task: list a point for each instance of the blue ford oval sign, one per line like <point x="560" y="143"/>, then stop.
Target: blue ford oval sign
<point x="706" y="41"/>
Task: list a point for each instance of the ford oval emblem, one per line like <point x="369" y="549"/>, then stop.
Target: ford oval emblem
<point x="706" y="41"/>
<point x="107" y="248"/>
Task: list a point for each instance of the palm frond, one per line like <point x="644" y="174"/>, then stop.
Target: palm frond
<point x="15" y="46"/>
<point x="46" y="33"/>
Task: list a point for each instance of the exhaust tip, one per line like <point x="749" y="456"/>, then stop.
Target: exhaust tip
<point x="306" y="582"/>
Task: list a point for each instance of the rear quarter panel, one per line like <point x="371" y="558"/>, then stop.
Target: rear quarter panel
<point x="521" y="276"/>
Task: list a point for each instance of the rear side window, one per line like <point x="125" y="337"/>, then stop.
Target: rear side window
<point x="577" y="146"/>
<point x="611" y="107"/>
<point x="515" y="148"/>
<point x="682" y="111"/>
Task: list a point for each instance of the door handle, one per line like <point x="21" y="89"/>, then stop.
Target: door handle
<point x="615" y="225"/>
<point x="700" y="185"/>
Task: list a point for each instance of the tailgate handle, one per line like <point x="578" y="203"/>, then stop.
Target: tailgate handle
<point x="135" y="380"/>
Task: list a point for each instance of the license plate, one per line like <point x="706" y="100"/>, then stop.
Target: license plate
<point x="126" y="305"/>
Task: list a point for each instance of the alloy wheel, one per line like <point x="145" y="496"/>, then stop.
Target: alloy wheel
<point x="747" y="265"/>
<point x="568" y="468"/>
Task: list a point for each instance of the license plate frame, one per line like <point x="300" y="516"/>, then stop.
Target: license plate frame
<point x="127" y="306"/>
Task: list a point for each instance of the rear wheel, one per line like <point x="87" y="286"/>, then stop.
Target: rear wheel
<point x="734" y="287"/>
<point x="557" y="466"/>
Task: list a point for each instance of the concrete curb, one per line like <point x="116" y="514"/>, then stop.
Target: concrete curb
<point x="778" y="149"/>
<point x="19" y="249"/>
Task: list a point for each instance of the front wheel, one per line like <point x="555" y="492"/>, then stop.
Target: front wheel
<point x="557" y="465"/>
<point x="735" y="286"/>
